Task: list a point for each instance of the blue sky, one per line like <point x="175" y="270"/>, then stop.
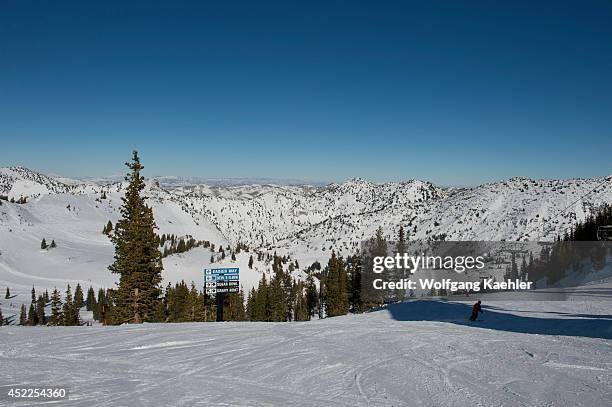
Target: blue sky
<point x="456" y="93"/>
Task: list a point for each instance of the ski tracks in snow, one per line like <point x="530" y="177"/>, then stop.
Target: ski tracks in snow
<point x="353" y="361"/>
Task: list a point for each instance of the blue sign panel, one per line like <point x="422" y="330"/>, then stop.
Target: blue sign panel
<point x="221" y="280"/>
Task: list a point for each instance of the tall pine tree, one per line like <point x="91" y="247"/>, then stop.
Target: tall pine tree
<point x="336" y="295"/>
<point x="138" y="260"/>
<point x="69" y="312"/>
<point x="40" y="309"/>
<point x="91" y="299"/>
<point x="32" y="316"/>
<point x="78" y="296"/>
<point x="56" y="308"/>
<point x="23" y="318"/>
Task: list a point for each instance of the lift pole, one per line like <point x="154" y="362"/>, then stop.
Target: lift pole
<point x="220" y="301"/>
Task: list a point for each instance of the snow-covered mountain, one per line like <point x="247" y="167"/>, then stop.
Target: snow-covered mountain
<point x="302" y="221"/>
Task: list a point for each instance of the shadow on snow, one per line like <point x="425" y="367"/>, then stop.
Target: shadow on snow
<point x="586" y="325"/>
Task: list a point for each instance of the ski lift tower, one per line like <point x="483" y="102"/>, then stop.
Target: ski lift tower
<point x="513" y="248"/>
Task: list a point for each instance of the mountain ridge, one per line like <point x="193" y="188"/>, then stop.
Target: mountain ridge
<point x="277" y="216"/>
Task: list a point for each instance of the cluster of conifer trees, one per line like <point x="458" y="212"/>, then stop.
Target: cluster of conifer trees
<point x="340" y="291"/>
<point x="562" y="255"/>
<point x="44" y="245"/>
<point x="282" y="298"/>
<point x="171" y="244"/>
<point x="20" y="200"/>
<point x="187" y="304"/>
<point x="587" y="230"/>
<point x="64" y="313"/>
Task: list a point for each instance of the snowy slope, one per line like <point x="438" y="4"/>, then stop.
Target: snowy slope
<point x="75" y="223"/>
<point x="399" y="357"/>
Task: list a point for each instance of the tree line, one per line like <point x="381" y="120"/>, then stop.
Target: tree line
<point x="21" y="200"/>
<point x="63" y="313"/>
<point x="566" y="253"/>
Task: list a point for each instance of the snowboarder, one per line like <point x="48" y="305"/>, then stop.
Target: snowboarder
<point x="475" y="310"/>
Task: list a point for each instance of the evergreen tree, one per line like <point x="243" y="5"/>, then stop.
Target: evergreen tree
<point x="336" y="297"/>
<point x="100" y="308"/>
<point x="301" y="312"/>
<point x="277" y="297"/>
<point x="195" y="305"/>
<point x="312" y="296"/>
<point x="250" y="306"/>
<point x="40" y="310"/>
<point x="166" y="300"/>
<point x="108" y="228"/>
<point x="107" y="309"/>
<point x="251" y="262"/>
<point x="236" y="311"/>
<point x="33" y="295"/>
<point x="23" y="318"/>
<point x="53" y="245"/>
<point x="46" y="297"/>
<point x="1" y="318"/>
<point x="523" y="269"/>
<point x="178" y="303"/>
<point x="290" y="291"/>
<point x="396" y="274"/>
<point x="90" y="302"/>
<point x="56" y="309"/>
<point x="356" y="303"/>
<point x="32" y="316"/>
<point x="401" y="241"/>
<point x="78" y="296"/>
<point x="376" y="247"/>
<point x="8" y="293"/>
<point x="261" y="311"/>
<point x="138" y="260"/>
<point x="381" y="244"/>
<point x="180" y="247"/>
<point x="43" y="244"/>
<point x="69" y="311"/>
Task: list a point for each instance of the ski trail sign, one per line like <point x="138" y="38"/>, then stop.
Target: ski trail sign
<point x="221" y="280"/>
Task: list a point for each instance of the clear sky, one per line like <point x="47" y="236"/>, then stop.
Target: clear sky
<point x="444" y="91"/>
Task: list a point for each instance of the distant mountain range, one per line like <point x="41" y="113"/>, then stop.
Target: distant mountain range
<point x="172" y="181"/>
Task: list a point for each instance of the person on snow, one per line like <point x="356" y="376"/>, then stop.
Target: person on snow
<point x="475" y="310"/>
